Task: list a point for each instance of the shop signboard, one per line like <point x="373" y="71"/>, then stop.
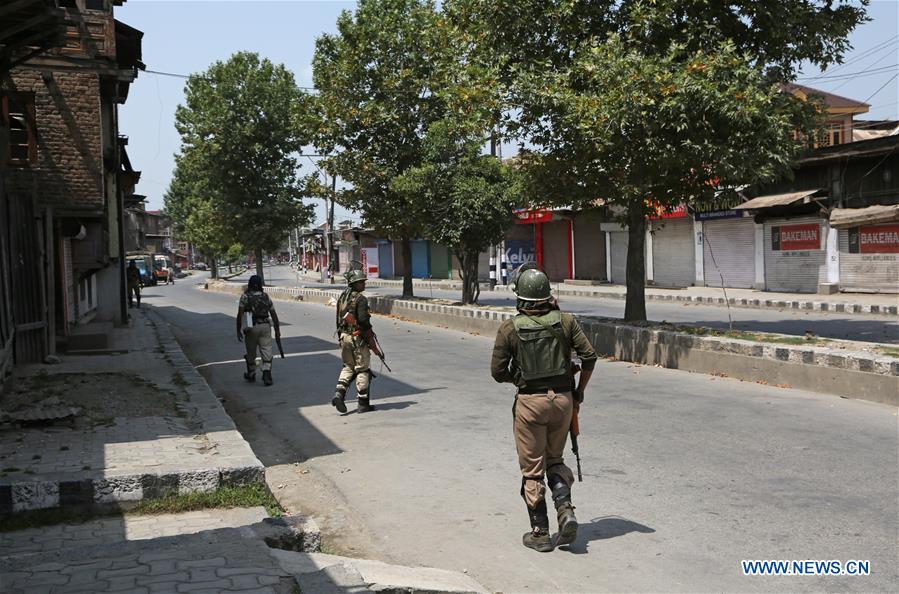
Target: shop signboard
<point x="370" y="262"/>
<point x="787" y="238"/>
<point x="531" y="216"/>
<point x="519" y="251"/>
<point x="874" y="239"/>
<point x="720" y="207"/>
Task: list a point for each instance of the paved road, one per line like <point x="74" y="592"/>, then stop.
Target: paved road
<point x="867" y="327"/>
<point x="685" y="474"/>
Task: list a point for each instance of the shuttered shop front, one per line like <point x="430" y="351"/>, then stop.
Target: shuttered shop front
<point x="728" y="250"/>
<point x="795" y="259"/>
<point x="618" y="242"/>
<point x="869" y="258"/>
<point x="673" y="257"/>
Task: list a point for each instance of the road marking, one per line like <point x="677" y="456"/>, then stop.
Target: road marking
<point x="286" y="355"/>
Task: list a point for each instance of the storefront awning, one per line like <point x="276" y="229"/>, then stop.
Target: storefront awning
<point x="777" y="200"/>
<point x="852" y="217"/>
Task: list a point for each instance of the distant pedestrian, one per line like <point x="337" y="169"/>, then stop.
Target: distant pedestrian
<point x="533" y="351"/>
<point x="135" y="280"/>
<point x="258" y="311"/>
<point x="353" y="331"/>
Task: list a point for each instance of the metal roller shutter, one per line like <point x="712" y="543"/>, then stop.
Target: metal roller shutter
<point x="619" y="243"/>
<point x="728" y="250"/>
<point x="877" y="273"/>
<point x="794" y="270"/>
<point x="673" y="257"/>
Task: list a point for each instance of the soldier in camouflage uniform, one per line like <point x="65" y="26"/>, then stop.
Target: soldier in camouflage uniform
<point x="258" y="306"/>
<point x="135" y="282"/>
<point x="533" y="351"/>
<point x="353" y="330"/>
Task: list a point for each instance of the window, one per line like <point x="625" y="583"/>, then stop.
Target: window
<point x="18" y="117"/>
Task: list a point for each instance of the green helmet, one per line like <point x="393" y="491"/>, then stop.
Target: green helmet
<point x="354" y="276"/>
<point x="532" y="285"/>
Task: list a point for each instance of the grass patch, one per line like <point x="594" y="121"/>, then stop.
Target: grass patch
<point x="227" y="497"/>
<point x="889" y="351"/>
<point x="248" y="496"/>
<point x="752" y="336"/>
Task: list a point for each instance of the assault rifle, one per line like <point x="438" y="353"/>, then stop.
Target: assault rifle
<point x="575" y="428"/>
<point x="371" y="339"/>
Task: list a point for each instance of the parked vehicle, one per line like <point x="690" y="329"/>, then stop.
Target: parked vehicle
<point x="200" y="266"/>
<point x="144" y="263"/>
<point x="163" y="267"/>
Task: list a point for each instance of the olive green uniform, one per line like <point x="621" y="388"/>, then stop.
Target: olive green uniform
<point x="545" y="399"/>
<point x="354" y="351"/>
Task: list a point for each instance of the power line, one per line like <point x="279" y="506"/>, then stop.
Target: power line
<point x="882" y="87"/>
<point x="877" y="48"/>
<point x="850" y="75"/>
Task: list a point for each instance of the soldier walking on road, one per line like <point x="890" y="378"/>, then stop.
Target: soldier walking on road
<point x="353" y="332"/>
<point x="533" y="351"/>
<point x="257" y="307"/>
<point x="135" y="282"/>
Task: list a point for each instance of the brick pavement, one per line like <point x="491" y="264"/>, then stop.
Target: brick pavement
<point x="194" y="447"/>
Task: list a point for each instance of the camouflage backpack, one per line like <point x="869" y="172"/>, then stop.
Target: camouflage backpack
<point x="258" y="305"/>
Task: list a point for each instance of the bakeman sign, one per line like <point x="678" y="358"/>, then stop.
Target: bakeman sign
<point x="785" y="238"/>
<point x="874" y="239"/>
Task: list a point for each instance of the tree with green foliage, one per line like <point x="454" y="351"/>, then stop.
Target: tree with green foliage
<point x="388" y="74"/>
<point x="471" y="197"/>
<point x="242" y="126"/>
<point x="647" y="105"/>
<point x="195" y="218"/>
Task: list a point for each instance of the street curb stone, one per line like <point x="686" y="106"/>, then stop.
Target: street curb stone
<point x="853" y="374"/>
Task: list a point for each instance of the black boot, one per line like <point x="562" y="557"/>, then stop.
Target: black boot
<point x="267" y="377"/>
<point x="564" y="510"/>
<point x="538" y="538"/>
<point x="250" y="373"/>
<point x="363" y="405"/>
<point x="337" y="402"/>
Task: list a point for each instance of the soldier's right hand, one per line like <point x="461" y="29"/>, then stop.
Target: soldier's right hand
<point x="239" y="337"/>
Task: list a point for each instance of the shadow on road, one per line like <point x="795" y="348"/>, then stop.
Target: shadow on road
<point x="603" y="529"/>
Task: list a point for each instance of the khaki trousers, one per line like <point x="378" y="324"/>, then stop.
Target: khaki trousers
<point x="259" y="336"/>
<point x="541" y="429"/>
<point x="356" y="357"/>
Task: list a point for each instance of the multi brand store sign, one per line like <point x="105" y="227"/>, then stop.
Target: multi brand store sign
<point x="785" y="238"/>
<point x="874" y="239"/>
<point x="532" y="216"/>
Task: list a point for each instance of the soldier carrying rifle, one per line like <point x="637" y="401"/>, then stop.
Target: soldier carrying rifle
<point x="533" y="351"/>
<point x="357" y="340"/>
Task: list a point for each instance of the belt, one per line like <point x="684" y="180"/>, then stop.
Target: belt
<point x="260" y="321"/>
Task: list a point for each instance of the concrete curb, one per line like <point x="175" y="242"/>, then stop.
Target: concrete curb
<point x="318" y="572"/>
<point x="754" y="303"/>
<point x="124" y="487"/>
<point x="852" y="374"/>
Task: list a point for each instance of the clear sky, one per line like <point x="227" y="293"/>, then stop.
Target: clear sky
<point x="183" y="37"/>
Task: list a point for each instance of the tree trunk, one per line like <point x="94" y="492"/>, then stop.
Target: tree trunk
<point x="215" y="267"/>
<point x="259" y="270"/>
<point x="230" y="267"/>
<point x="470" y="288"/>
<point x="635" y="306"/>
<point x="407" y="268"/>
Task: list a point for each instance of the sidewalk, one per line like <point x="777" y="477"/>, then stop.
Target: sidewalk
<point x="109" y="428"/>
<point x="857" y="303"/>
<point x="233" y="550"/>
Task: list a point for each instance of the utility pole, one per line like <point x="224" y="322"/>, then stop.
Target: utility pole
<point x="331" y="226"/>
